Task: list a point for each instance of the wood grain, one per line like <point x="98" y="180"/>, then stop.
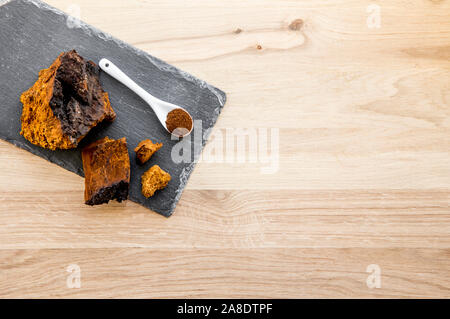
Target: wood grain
<point x="363" y="117"/>
<point x="225" y="273"/>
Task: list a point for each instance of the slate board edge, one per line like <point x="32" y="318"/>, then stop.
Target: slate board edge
<point x="161" y="65"/>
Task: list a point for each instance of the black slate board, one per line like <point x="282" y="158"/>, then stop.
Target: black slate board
<point x="32" y="34"/>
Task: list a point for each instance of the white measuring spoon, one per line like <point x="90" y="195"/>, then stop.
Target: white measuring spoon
<point x="160" y="107"/>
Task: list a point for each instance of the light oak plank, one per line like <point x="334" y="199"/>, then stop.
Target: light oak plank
<point x="306" y="159"/>
<point x="333" y="71"/>
<point x="232" y="219"/>
<point x="237" y="273"/>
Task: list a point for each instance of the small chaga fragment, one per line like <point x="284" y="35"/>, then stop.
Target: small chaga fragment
<point x="65" y="103"/>
<point x="154" y="179"/>
<point x="106" y="165"/>
<point x="145" y="150"/>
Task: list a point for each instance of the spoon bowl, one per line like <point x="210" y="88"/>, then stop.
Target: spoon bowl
<point x="160" y="107"/>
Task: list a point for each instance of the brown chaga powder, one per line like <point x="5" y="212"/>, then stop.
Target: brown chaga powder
<point x="179" y="122"/>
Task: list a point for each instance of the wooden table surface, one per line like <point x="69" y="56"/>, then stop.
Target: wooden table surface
<point x="362" y="111"/>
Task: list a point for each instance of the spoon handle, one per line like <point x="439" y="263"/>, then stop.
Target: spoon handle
<point x="116" y="73"/>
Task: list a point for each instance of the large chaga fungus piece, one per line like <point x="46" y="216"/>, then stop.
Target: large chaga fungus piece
<point x="106" y="165"/>
<point x="65" y="103"/>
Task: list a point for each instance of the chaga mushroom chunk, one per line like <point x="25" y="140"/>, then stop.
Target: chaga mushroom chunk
<point x="106" y="165"/>
<point x="145" y="150"/>
<point x="65" y="103"/>
<point x="154" y="179"/>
